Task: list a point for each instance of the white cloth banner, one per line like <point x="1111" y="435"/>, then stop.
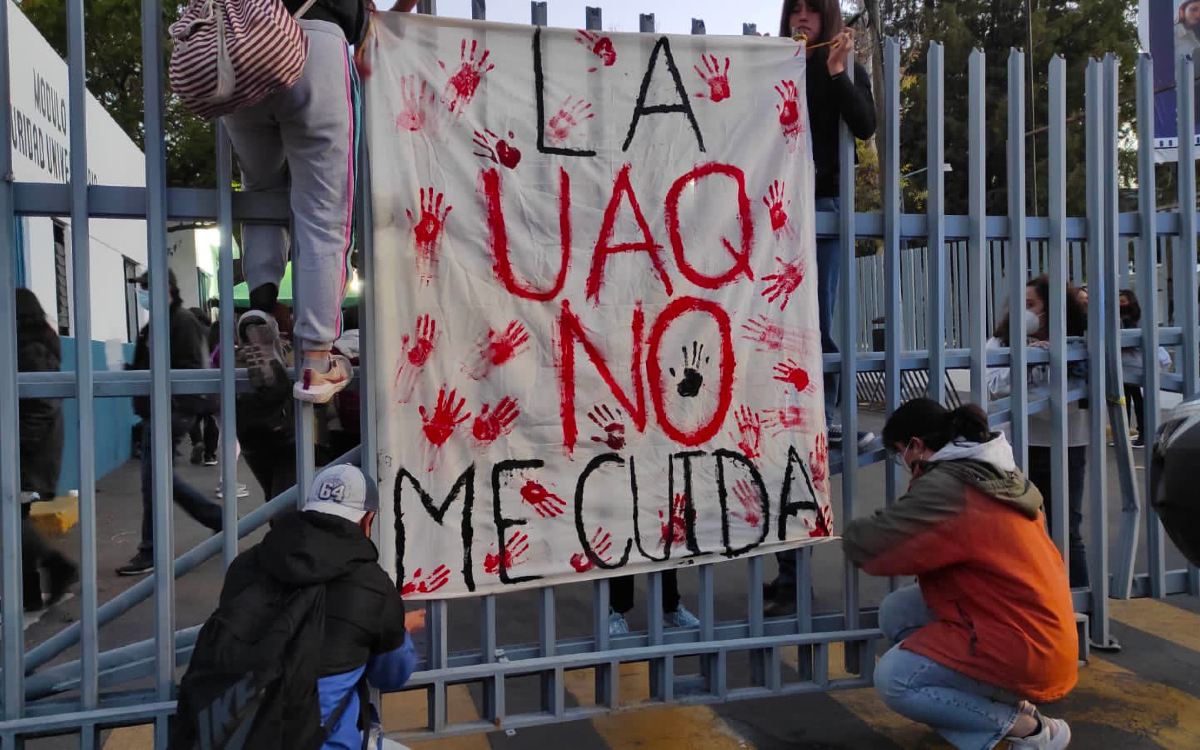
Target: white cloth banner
<point x="595" y="288"/>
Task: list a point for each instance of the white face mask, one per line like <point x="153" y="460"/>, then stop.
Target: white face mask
<point x="143" y="298"/>
<point x="1032" y="322"/>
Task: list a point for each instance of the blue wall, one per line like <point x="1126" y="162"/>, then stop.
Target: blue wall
<point x="114" y="423"/>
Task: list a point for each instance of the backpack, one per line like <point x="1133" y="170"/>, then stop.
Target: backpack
<point x="252" y="680"/>
<point x="230" y="54"/>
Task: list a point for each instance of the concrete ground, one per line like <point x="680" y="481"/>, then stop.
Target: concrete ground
<point x="1147" y="696"/>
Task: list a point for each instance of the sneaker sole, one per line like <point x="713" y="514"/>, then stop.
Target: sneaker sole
<point x="318" y="394"/>
<point x="128" y="573"/>
<point x="266" y="367"/>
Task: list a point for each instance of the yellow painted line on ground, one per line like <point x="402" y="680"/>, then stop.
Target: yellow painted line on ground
<point x="1119" y="698"/>
<point x="131" y="738"/>
<point x="401" y="711"/>
<point x="1160" y="619"/>
<point x="666" y="728"/>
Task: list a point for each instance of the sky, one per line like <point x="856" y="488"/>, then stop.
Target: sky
<point x="672" y="16"/>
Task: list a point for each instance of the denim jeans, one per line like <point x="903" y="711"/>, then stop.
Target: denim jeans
<point x="966" y="712"/>
<point x="829" y="274"/>
<point x="188" y="497"/>
<point x="1039" y="474"/>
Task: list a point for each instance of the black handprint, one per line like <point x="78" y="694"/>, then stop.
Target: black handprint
<point x="689" y="386"/>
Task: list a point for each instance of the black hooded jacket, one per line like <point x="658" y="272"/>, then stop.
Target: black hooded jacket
<point x="832" y="99"/>
<point x="351" y="15"/>
<point x="364" y="614"/>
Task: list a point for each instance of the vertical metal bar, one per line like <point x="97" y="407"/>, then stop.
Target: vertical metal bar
<point x="1056" y="311"/>
<point x="977" y="244"/>
<point x="749" y="29"/>
<point x="1017" y="261"/>
<point x="593" y="19"/>
<point x="479" y="10"/>
<point x="10" y="484"/>
<point x="438" y="658"/>
<point x="935" y="157"/>
<point x="428" y="7"/>
<point x="1185" y="270"/>
<point x="85" y="430"/>
<point x="654" y="628"/>
<point x="890" y="179"/>
<point x="537" y="13"/>
<point x="804" y="606"/>
<point x="607" y="688"/>
<point x="493" y="689"/>
<point x="1148" y="294"/>
<point x="706" y="614"/>
<point x="160" y="397"/>
<point x="849" y="382"/>
<point x="1097" y="299"/>
<point x="698" y="26"/>
<point x="229" y="515"/>
<point x="552" y="692"/>
<point x="646" y="23"/>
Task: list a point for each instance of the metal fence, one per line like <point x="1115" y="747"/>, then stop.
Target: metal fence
<point x="937" y="304"/>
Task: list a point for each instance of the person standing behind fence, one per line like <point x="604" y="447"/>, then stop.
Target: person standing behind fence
<point x="304" y="141"/>
<point x="205" y="433"/>
<point x="1132" y="366"/>
<point x="1041" y="432"/>
<point x="989" y="625"/>
<point x="188" y="352"/>
<point x="41" y="443"/>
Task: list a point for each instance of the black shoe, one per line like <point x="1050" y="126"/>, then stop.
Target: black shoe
<point x="1138" y="442"/>
<point x="769" y="590"/>
<point x="142" y="563"/>
<point x="210" y="460"/>
<point x="63" y="575"/>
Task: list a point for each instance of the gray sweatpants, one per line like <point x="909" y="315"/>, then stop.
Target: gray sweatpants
<point x="305" y="139"/>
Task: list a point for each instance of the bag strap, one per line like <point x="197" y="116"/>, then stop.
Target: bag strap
<point x="342" y="705"/>
<point x="304" y="9"/>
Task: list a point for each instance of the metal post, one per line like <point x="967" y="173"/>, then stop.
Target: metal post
<point x="537" y="13"/>
<point x="749" y="29"/>
<point x="977" y="241"/>
<point x="1056" y="311"/>
<point x="936" y="183"/>
<point x="479" y="10"/>
<point x="890" y="180"/>
<point x="646" y="23"/>
<point x="698" y="26"/>
<point x="593" y="19"/>
<point x="229" y="484"/>
<point x="1017" y="262"/>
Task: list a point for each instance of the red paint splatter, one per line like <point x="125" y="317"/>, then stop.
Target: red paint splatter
<point x="417" y="103"/>
<point x="818" y="463"/>
<point x="749" y="432"/>
<point x="716" y="78"/>
<point x="785" y="281"/>
<point x="461" y="87"/>
<point x="446" y="418"/>
<point x="571" y="332"/>
<point x="751" y="503"/>
<point x="428" y="231"/>
<point x="545" y="502"/>
<point x="514" y="554"/>
<point x="790" y="372"/>
<point x="499" y="421"/>
<point x="786" y="419"/>
<point x="414" y="353"/>
<point x="824" y="520"/>
<point x="600" y="46"/>
<point x="491" y="188"/>
<point x="775" y="337"/>
<point x="604" y="247"/>
<point x="568" y="116"/>
<point x="502" y="152"/>
<point x="673" y="530"/>
<point x="789" y="113"/>
<point x="776" y="206"/>
<point x="610" y="420"/>
<point x="495" y="349"/>
<point x="673" y="311"/>
<point x="741" y="257"/>
<point x="426" y="584"/>
<point x="601" y="545"/>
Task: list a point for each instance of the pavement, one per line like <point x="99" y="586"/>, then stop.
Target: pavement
<point x="1147" y="696"/>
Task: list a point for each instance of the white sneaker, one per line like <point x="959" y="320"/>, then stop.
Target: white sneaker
<point x="320" y="387"/>
<point x="617" y="624"/>
<point x="242" y="491"/>
<point x="1055" y="735"/>
<point x="681" y="618"/>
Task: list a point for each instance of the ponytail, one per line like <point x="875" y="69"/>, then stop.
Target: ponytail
<point x="936" y="425"/>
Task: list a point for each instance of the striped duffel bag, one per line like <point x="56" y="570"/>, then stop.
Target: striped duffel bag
<point x="230" y="54"/>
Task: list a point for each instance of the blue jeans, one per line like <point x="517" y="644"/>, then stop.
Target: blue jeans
<point x="966" y="712"/>
<point x="829" y="274"/>
<point x="188" y="497"/>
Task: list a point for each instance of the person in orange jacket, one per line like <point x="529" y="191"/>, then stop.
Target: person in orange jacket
<point x="989" y="627"/>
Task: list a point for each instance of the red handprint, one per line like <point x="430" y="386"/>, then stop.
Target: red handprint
<point x="791" y="372"/>
<point x="489" y="426"/>
<point x="787" y="418"/>
<point x="569" y="115"/>
<point x="514" y="554"/>
<point x="428" y="231"/>
<point x="749" y="432"/>
<point x="421" y="584"/>
<point x="774" y="337"/>
<point x="818" y="463"/>
<point x="502" y="153"/>
<point x="789" y="113"/>
<point x="824" y="522"/>
<point x="674" y="529"/>
<point x="461" y="87"/>
<point x="750" y="501"/>
<point x="446" y="417"/>
<point x="414" y="353"/>
<point x="716" y="78"/>
<point x="495" y="349"/>
<point x="785" y="281"/>
<point x="774" y="201"/>
<point x="601" y="47"/>
<point x="601" y="545"/>
<point x="545" y="502"/>
<point x="417" y="103"/>
<point x="611" y="421"/>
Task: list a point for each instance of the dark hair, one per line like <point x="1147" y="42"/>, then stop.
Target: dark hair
<point x="935" y="424"/>
<point x="1076" y="314"/>
<point x="1131" y="314"/>
<point x="831" y="18"/>
<point x="31" y="322"/>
